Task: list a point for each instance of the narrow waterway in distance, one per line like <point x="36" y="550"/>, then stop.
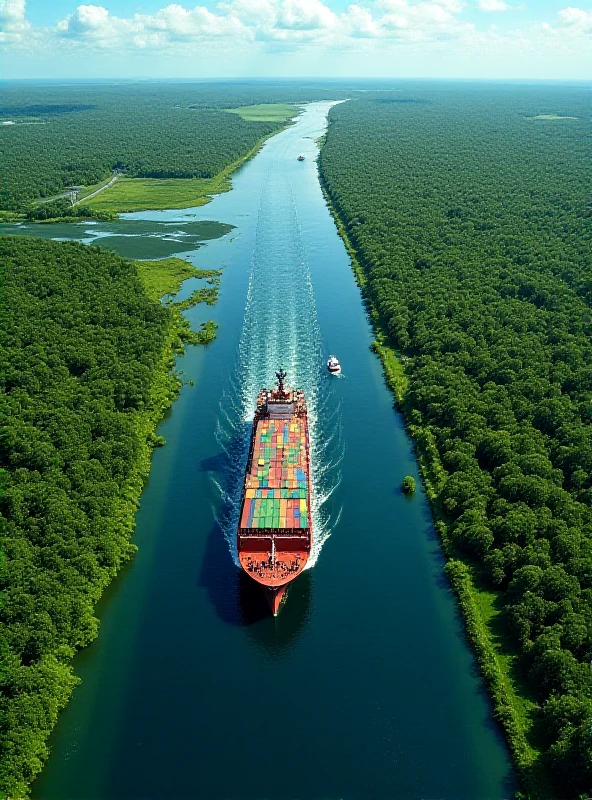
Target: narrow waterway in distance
<point x="363" y="686"/>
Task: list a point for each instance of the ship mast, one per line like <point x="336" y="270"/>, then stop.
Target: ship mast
<point x="281" y="376"/>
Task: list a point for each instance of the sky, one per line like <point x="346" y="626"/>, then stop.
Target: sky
<point x="467" y="39"/>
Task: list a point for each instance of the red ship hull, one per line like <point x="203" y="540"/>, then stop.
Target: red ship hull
<point x="274" y="535"/>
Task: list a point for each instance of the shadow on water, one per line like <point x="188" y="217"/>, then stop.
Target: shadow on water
<point x="238" y="600"/>
<point x="277" y="635"/>
<point x="217" y="464"/>
<point x="221" y="579"/>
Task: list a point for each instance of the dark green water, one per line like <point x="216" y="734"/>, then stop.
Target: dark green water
<point x="363" y="687"/>
<point x="131" y="238"/>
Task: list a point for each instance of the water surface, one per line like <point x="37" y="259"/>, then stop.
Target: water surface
<point x="363" y="687"/>
<point x="130" y="238"/>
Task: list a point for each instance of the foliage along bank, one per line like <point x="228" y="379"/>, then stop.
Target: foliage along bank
<point x="470" y="219"/>
<point x="62" y="210"/>
<point x="86" y="358"/>
<point x="77" y="136"/>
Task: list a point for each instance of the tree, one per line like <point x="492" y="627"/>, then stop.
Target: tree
<point x="408" y="485"/>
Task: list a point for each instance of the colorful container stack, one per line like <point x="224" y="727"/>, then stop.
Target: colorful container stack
<point x="276" y="486"/>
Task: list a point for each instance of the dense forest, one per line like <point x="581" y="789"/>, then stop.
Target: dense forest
<point x="77" y="135"/>
<point x="470" y="215"/>
<point x="85" y="359"/>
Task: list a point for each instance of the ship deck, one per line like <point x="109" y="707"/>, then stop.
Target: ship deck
<point x="273" y="571"/>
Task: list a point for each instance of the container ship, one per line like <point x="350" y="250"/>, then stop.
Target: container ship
<point x="275" y="524"/>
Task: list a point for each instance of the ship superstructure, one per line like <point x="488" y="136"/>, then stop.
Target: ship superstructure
<point x="275" y="524"/>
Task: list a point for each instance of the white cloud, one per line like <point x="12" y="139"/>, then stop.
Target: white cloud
<point x="251" y="12"/>
<point x="359" y="23"/>
<point x="280" y="21"/>
<point x="305" y="15"/>
<point x="423" y="21"/>
<point x="13" y="25"/>
<point x="576" y="18"/>
<point x="177" y="22"/>
<point x="572" y="29"/>
<point x="454" y="6"/>
<point x="274" y="26"/>
<point x="96" y="26"/>
<point x="493" y="5"/>
<point x="298" y="21"/>
<point x="171" y="24"/>
<point x="12" y="10"/>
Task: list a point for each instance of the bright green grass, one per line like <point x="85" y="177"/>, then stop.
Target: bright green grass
<point x="165" y="276"/>
<point x="90" y="189"/>
<point x="393" y="368"/>
<point x="265" y="112"/>
<point x="146" y="194"/>
<point x="153" y="194"/>
<point x="10" y="216"/>
<point x="487" y="603"/>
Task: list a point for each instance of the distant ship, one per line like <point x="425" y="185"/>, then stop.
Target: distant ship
<point x="333" y="364"/>
<point x="275" y="523"/>
<point x="301" y="158"/>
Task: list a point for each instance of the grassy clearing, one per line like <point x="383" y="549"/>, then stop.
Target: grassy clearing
<point x="150" y="194"/>
<point x="154" y="194"/>
<point x="11" y="216"/>
<point x="488" y="604"/>
<point x="94" y="188"/>
<point x="84" y="192"/>
<point x="393" y="369"/>
<point x="265" y="112"/>
<point x="165" y="276"/>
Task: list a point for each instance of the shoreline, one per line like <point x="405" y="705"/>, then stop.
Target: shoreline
<point x="497" y="681"/>
<point x="221" y="182"/>
<point x="163" y="392"/>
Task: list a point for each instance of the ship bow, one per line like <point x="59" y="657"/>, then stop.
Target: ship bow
<point x="274" y="598"/>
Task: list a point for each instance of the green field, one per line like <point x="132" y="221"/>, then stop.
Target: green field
<point x="147" y="194"/>
<point x="266" y="112"/>
<point x="93" y="188"/>
<point x="152" y="194"/>
<point x="165" y="276"/>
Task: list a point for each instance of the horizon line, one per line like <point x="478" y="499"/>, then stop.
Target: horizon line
<point x="238" y="79"/>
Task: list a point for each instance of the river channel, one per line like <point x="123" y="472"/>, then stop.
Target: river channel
<point x="363" y="686"/>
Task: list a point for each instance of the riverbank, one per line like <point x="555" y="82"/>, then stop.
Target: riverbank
<point x="78" y="455"/>
<point x="166" y="276"/>
<point x="155" y="194"/>
<point x="512" y="711"/>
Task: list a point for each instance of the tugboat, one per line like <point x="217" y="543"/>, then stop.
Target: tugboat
<point x="300" y="157"/>
<point x="333" y="365"/>
<point x="274" y="536"/>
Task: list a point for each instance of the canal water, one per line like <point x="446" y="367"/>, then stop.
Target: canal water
<point x="363" y="686"/>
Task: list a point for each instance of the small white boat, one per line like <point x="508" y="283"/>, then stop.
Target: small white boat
<point x="333" y="364"/>
<point x="301" y="158"/>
